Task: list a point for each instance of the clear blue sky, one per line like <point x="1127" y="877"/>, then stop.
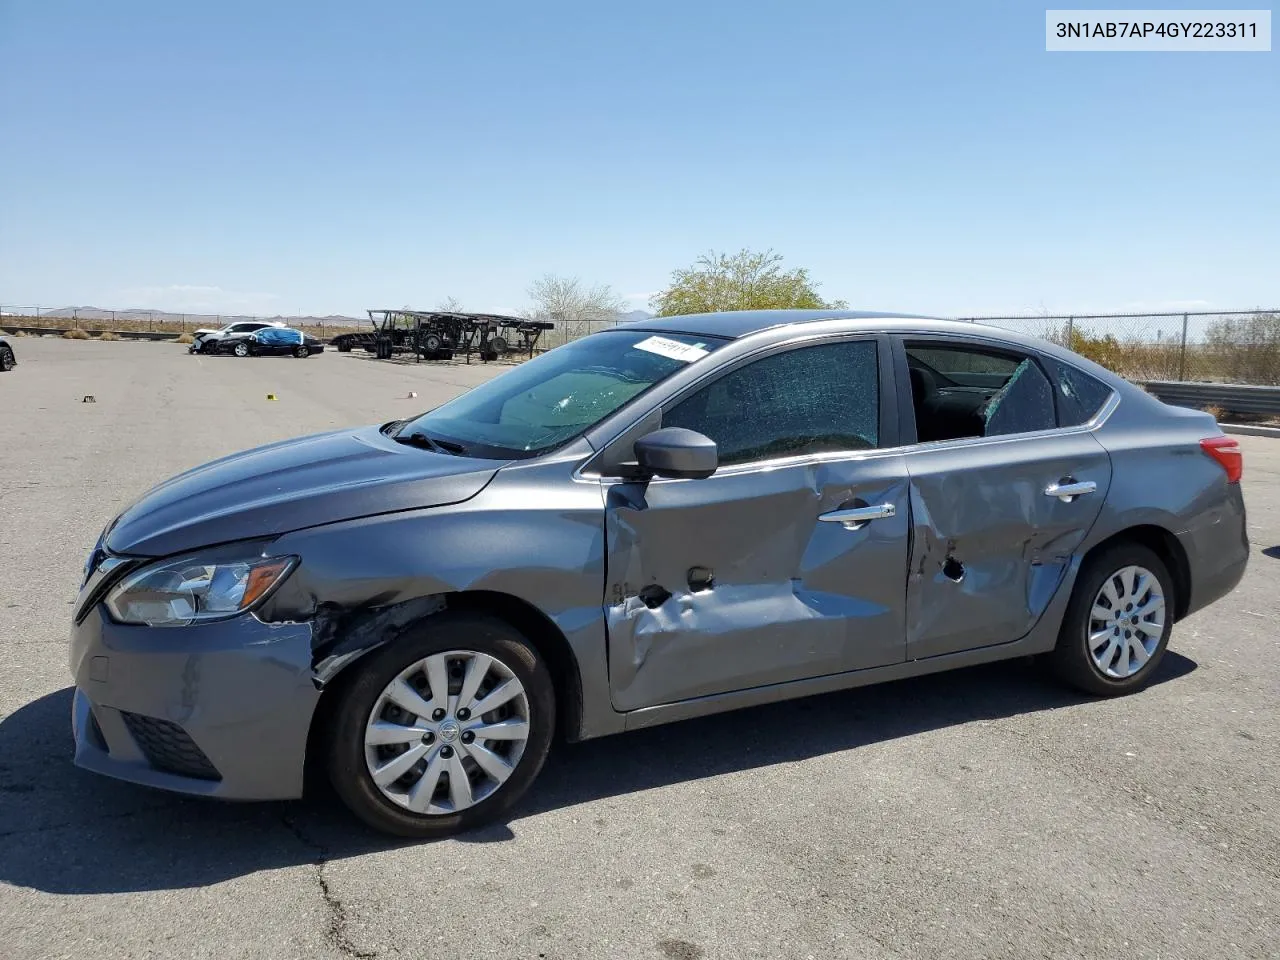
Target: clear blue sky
<point x="309" y="157"/>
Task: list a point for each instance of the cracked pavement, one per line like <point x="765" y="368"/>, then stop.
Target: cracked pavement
<point x="986" y="813"/>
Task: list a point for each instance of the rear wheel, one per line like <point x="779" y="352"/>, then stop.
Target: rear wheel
<point x="1118" y="621"/>
<point x="444" y="728"/>
<point x="301" y="351"/>
<point x="241" y="349"/>
<point x="6" y="360"/>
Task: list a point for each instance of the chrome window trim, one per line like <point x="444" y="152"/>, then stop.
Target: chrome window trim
<point x="760" y="466"/>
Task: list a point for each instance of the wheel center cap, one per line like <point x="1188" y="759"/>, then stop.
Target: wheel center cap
<point x="449" y="731"/>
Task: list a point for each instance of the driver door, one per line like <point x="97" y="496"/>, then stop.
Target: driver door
<point x="760" y="574"/>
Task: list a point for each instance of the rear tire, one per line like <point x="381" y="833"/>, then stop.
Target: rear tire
<point x="301" y="352"/>
<point x="1118" y="621"/>
<point x="456" y="644"/>
<point x="6" y="360"/>
<point x="241" y="350"/>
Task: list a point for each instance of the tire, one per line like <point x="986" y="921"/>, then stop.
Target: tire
<point x="7" y="362"/>
<point x="432" y="343"/>
<point x="459" y="640"/>
<point x="344" y="347"/>
<point x="241" y="349"/>
<point x="301" y="351"/>
<point x="498" y="346"/>
<point x="1112" y="573"/>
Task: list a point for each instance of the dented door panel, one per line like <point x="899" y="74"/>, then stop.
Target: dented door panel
<point x="733" y="582"/>
<point x="989" y="547"/>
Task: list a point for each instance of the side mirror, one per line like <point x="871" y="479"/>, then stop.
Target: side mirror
<point x="677" y="454"/>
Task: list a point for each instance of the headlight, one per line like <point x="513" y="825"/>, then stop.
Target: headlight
<point x="195" y="589"/>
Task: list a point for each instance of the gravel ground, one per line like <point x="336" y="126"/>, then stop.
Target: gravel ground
<point x="985" y="813"/>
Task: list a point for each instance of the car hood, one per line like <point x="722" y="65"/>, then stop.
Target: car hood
<point x="202" y="332"/>
<point x="294" y="484"/>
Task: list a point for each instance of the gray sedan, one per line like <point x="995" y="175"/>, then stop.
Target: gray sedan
<point x="669" y="519"/>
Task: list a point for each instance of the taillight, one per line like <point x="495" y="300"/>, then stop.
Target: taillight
<point x="1226" y="450"/>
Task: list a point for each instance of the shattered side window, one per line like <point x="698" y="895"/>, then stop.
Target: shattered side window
<point x="1080" y="396"/>
<point x="808" y="400"/>
<point x="1023" y="404"/>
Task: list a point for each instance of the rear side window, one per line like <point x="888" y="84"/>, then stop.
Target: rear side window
<point x="966" y="391"/>
<point x="1080" y="396"/>
<point x="809" y="400"/>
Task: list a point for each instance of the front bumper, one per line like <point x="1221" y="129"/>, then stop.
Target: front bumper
<point x="221" y="710"/>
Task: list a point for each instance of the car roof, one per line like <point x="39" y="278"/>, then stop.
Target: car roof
<point x="739" y="323"/>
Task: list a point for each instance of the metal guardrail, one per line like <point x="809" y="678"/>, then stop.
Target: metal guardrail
<point x="1232" y="397"/>
<point x="59" y="331"/>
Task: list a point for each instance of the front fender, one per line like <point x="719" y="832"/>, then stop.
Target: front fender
<point x="534" y="533"/>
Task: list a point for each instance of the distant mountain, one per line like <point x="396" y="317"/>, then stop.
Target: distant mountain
<point x="204" y="319"/>
<point x="631" y="316"/>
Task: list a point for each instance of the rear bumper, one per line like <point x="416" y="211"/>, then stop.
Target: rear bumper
<point x="221" y="710"/>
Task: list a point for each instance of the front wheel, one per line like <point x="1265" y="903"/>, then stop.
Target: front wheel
<point x="444" y="728"/>
<point x="7" y="362"/>
<point x="301" y="351"/>
<point x="1118" y="621"/>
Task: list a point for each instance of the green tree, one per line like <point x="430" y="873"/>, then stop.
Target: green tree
<point x="743" y="281"/>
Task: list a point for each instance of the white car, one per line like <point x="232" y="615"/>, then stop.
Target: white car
<point x="205" y="338"/>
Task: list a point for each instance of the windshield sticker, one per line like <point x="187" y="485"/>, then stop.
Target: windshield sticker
<point x="684" y="352"/>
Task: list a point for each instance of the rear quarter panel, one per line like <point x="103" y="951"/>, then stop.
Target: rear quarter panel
<point x="1161" y="477"/>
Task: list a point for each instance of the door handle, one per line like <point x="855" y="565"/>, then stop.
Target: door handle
<point x="855" y="517"/>
<point x="1066" y="492"/>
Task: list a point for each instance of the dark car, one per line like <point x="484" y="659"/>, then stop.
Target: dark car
<point x="269" y="342"/>
<point x="7" y="360"/>
<point x="665" y="520"/>
<point x="207" y="339"/>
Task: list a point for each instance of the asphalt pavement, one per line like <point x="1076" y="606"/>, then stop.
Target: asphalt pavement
<point x="984" y="813"/>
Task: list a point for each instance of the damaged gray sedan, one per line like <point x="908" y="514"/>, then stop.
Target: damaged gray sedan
<point x="669" y="519"/>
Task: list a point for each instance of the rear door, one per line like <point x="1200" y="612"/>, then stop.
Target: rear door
<point x="1001" y="496"/>
<point x="757" y="575"/>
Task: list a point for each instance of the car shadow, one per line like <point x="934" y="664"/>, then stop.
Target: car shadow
<point x="66" y="831"/>
<point x="1272" y="552"/>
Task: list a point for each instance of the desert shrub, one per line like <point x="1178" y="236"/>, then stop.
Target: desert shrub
<point x="108" y="335"/>
<point x="1245" y="349"/>
<point x="184" y="338"/>
<point x="76" y="334"/>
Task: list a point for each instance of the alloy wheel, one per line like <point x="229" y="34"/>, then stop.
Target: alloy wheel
<point x="447" y="732"/>
<point x="1126" y="622"/>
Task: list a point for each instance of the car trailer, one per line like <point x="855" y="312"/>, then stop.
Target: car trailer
<point x="438" y="335"/>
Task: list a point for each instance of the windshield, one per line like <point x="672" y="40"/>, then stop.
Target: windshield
<point x="553" y="398"/>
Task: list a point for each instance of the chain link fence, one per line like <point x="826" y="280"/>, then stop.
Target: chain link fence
<point x="1233" y="346"/>
<point x="566" y="330"/>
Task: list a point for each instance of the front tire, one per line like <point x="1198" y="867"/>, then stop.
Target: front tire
<point x="444" y="728"/>
<point x="301" y="351"/>
<point x="1118" y="622"/>
<point x="7" y="362"/>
